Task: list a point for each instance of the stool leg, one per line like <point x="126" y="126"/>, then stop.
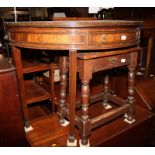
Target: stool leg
<point x="131" y="100"/>
<point x="63" y="84"/>
<point x="85" y="120"/>
<point x="131" y="80"/>
<point x="106" y="92"/>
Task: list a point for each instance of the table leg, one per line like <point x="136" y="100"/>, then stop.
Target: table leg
<point x="72" y="96"/>
<point x="85" y="128"/>
<point x="131" y="80"/>
<point x="63" y="85"/>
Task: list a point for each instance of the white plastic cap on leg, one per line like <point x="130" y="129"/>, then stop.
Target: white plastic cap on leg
<point x="107" y="106"/>
<point x="125" y="115"/>
<point x="139" y="73"/>
<point x="28" y="129"/>
<point x="65" y="123"/>
<point x="129" y="122"/>
<point x="81" y="145"/>
<point x="72" y="143"/>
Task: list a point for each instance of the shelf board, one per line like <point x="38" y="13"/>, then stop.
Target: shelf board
<point x="33" y="66"/>
<point x="34" y="92"/>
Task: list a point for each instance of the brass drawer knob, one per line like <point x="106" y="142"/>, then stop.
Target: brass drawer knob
<point x="112" y="60"/>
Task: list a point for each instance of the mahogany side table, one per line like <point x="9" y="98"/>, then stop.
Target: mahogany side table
<point x="74" y="36"/>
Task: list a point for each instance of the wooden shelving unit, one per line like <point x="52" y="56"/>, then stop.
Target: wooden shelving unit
<point x="31" y="89"/>
<point x="34" y="92"/>
<point x="29" y="66"/>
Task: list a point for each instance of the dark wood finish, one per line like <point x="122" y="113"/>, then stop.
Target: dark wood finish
<point x="18" y="64"/>
<point x="11" y="118"/>
<point x="29" y="66"/>
<point x="106" y="35"/>
<point x="84" y="124"/>
<point x="63" y="86"/>
<point x="145" y="90"/>
<point x="131" y="81"/>
<point x="148" y="32"/>
<point x="72" y="92"/>
<point x="31" y="91"/>
<point x="115" y="133"/>
<point x="89" y="64"/>
<point x="74" y="36"/>
<point x="34" y="92"/>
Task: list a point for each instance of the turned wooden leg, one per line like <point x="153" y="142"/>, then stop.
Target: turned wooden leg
<point x="63" y="85"/>
<point x="85" y="74"/>
<point x="131" y="80"/>
<point x="106" y="92"/>
<point x="131" y="99"/>
<point x="85" y="120"/>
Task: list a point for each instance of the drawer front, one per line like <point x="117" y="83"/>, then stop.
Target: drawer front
<point x="110" y="62"/>
<point x="48" y="38"/>
<point x="118" y="37"/>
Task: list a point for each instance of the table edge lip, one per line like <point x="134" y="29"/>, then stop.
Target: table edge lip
<point x="79" y="23"/>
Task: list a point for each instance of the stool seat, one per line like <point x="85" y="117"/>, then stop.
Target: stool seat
<point x="97" y="54"/>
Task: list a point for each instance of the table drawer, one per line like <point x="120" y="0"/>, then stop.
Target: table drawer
<point x="110" y="62"/>
<point x="117" y="37"/>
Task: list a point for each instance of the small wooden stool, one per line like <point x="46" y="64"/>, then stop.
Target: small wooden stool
<point x="89" y="63"/>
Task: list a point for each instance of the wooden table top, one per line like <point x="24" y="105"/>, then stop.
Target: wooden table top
<point x="79" y="23"/>
<point x="79" y="35"/>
